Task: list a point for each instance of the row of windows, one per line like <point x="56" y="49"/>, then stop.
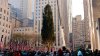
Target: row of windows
<point x="46" y="2"/>
<point x="5" y="38"/>
<point x="23" y="30"/>
<point x="38" y="15"/>
<point x="5" y="25"/>
<point x="6" y="31"/>
<point x="4" y="11"/>
<point x="4" y="17"/>
<point x="43" y="6"/>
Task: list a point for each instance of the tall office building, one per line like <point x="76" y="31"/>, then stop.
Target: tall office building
<point x="24" y="9"/>
<point x="5" y="24"/>
<point x="60" y="17"/>
<point x="86" y="21"/>
<point x="25" y="6"/>
<point x="92" y="11"/>
<point x="96" y="18"/>
<point x="78" y="32"/>
<point x="66" y="19"/>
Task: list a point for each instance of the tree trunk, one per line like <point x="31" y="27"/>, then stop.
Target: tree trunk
<point x="49" y="47"/>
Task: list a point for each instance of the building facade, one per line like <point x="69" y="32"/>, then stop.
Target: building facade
<point x="77" y="31"/>
<point x="28" y="31"/>
<point x="58" y="16"/>
<point x="66" y="18"/>
<point x="27" y="22"/>
<point x="5" y="24"/>
<point x="96" y="18"/>
<point x="15" y="23"/>
<point x="26" y="8"/>
<point x="86" y="21"/>
<point x="39" y="6"/>
<point x="93" y="15"/>
<point x="23" y="30"/>
<point x="15" y="17"/>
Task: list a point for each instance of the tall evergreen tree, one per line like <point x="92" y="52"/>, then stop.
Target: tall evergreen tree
<point x="47" y="31"/>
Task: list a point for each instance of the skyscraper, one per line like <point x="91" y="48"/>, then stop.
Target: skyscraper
<point x="78" y="32"/>
<point x="86" y="20"/>
<point x="66" y="18"/>
<point x="96" y="25"/>
<point x="92" y="11"/>
<point x="25" y="6"/>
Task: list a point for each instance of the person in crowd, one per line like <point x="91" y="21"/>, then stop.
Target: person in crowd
<point x="55" y="54"/>
<point x="66" y="52"/>
<point x="98" y="53"/>
<point x="51" y="53"/>
<point x="83" y="51"/>
<point x="24" y="53"/>
<point x="60" y="52"/>
<point x="10" y="53"/>
<point x="16" y="53"/>
<point x="72" y="53"/>
<point x="95" y="52"/>
<point x="79" y="53"/>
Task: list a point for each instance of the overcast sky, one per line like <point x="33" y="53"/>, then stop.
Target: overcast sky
<point x="77" y="8"/>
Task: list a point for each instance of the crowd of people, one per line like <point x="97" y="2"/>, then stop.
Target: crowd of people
<point x="61" y="52"/>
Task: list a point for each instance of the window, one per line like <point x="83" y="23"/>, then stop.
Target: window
<point x="0" y="9"/>
<point x="0" y="22"/>
<point x="7" y="18"/>
<point x="1" y="38"/>
<point x="28" y="29"/>
<point x="9" y="26"/>
<point x="51" y="1"/>
<point x="4" y="11"/>
<point x="6" y="31"/>
<point x="54" y="4"/>
<point x="39" y="6"/>
<point x="4" y="17"/>
<point x="35" y="27"/>
<point x="3" y="24"/>
<point x="5" y="40"/>
<point x="35" y="31"/>
<point x="36" y="23"/>
<point x="3" y="30"/>
<point x="0" y="16"/>
<point x="25" y="29"/>
<point x="8" y="38"/>
<point x="6" y="25"/>
<point x="9" y="32"/>
<point x="7" y="13"/>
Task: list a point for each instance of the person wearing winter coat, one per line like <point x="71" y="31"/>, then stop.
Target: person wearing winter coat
<point x="79" y="53"/>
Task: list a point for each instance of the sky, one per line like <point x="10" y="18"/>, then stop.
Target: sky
<point x="77" y="8"/>
<point x="17" y="5"/>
